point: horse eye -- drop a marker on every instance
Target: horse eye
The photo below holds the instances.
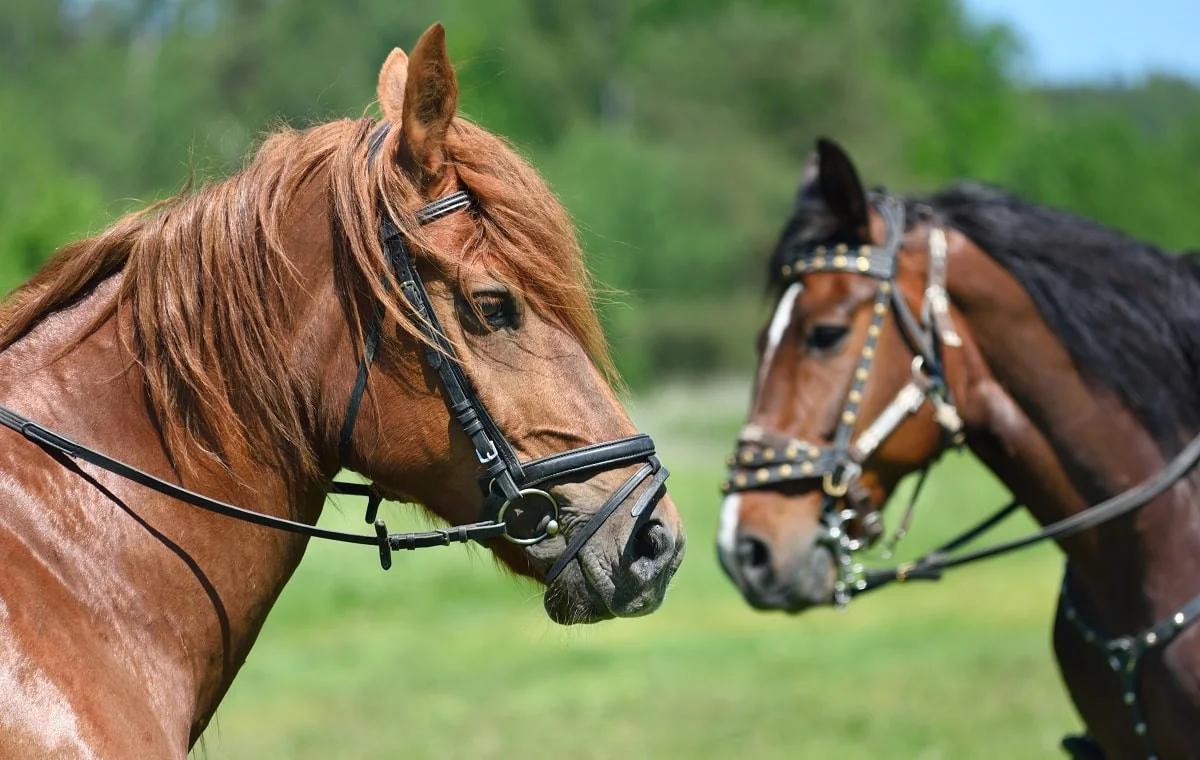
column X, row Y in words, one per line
column 826, row 337
column 497, row 309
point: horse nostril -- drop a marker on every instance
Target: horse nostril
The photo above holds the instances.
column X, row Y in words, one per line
column 753, row 553
column 651, row 541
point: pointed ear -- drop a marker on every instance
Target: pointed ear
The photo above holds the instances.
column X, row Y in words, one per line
column 390, row 90
column 809, row 188
column 841, row 188
column 430, row 102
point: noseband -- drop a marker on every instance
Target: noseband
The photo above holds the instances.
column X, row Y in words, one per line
column 767, row 458
column 508, row 485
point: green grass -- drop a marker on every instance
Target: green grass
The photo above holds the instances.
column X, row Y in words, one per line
column 448, row 657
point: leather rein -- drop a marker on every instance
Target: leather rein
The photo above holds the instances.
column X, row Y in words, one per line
column 508, row 485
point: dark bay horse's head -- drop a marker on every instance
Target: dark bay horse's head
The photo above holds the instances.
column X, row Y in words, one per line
column 831, row 359
column 508, row 285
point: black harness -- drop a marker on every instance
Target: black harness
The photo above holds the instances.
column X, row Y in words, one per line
column 508, row 485
column 767, row 458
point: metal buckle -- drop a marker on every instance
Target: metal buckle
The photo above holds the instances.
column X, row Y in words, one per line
column 837, row 489
column 488, row 457
column 551, row 528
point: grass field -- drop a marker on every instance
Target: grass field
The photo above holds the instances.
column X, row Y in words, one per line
column 448, row 657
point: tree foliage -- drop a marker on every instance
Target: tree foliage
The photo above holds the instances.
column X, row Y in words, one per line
column 674, row 130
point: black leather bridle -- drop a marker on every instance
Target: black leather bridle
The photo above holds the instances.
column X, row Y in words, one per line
column 508, row 485
column 767, row 458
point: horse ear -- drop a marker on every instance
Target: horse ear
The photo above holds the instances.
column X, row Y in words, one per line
column 390, row 90
column 809, row 187
column 430, row 102
column 841, row 188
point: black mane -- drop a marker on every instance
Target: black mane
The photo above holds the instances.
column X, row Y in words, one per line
column 1126, row 312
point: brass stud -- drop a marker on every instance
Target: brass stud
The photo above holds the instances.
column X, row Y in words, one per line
column 1178, row 619
column 1129, row 697
column 1140, row 729
column 725, row 487
column 880, row 309
column 786, row 470
column 806, row 468
column 801, row 266
column 792, row 452
column 747, row 457
column 1151, row 638
column 849, row 417
column 841, row 248
column 868, row 352
column 855, row 397
column 786, row 269
column 819, row 250
column 839, row 261
column 813, row 452
column 730, row 460
column 863, row 263
column 740, row 480
column 762, row 474
column 865, row 250
column 874, row 331
column 885, row 287
column 818, row 261
column 862, row 374
column 768, row 453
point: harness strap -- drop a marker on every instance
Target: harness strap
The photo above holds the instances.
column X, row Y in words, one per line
column 1124, row 653
column 588, row 458
column 619, row 496
column 932, row 565
column 935, row 313
column 55, row 443
column 907, row 402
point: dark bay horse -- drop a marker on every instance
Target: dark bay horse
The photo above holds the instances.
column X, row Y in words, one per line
column 1066, row 356
column 217, row 342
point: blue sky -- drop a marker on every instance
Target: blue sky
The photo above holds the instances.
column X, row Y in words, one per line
column 1101, row 40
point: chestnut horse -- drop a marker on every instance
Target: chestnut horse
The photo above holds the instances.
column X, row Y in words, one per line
column 216, row 342
column 1065, row 355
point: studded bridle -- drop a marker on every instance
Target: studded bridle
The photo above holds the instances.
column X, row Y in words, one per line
column 508, row 485
column 765, row 458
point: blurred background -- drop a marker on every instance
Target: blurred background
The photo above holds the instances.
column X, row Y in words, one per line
column 674, row 131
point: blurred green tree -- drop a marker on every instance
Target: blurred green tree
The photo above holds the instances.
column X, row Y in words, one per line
column 674, row 130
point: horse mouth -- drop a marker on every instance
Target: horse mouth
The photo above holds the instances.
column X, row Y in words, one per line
column 577, row 597
column 598, row 587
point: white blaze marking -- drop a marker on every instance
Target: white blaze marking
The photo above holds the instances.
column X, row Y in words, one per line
column 731, row 507
column 778, row 326
column 727, row 529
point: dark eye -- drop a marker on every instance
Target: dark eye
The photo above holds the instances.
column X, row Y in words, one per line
column 825, row 337
column 496, row 309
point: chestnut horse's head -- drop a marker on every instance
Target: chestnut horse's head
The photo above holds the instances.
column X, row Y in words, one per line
column 511, row 297
column 403, row 298
column 849, row 392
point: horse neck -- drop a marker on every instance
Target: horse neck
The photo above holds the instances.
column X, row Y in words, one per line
column 1061, row 444
column 210, row 580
